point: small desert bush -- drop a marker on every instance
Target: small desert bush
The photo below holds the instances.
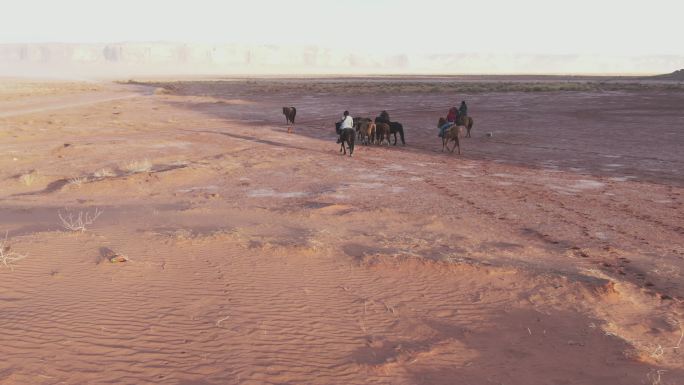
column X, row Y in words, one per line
column 78, row 181
column 29, row 178
column 137, row 166
column 78, row 221
column 103, row 173
column 7, row 256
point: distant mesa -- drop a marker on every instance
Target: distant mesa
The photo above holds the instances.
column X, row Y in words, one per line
column 677, row 75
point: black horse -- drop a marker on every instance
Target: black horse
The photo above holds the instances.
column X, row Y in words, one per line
column 290, row 113
column 395, row 127
column 347, row 135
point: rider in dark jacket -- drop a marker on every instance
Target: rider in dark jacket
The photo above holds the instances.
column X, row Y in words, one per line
column 463, row 110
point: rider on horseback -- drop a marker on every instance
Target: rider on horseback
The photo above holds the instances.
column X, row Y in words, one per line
column 452, row 117
column 462, row 110
column 347, row 123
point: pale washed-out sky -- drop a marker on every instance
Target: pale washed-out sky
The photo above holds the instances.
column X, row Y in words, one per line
column 609, row 27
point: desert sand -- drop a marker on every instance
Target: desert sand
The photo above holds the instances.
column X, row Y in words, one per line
column 550, row 252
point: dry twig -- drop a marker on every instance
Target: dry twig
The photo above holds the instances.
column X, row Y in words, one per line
column 78, row 222
column 7, row 256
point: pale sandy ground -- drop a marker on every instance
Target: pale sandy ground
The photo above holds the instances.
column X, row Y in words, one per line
column 550, row 253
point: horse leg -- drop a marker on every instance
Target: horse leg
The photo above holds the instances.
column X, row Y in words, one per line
column 395, row 138
column 401, row 133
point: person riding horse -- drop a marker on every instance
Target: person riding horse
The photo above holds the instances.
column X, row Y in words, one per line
column 462, row 111
column 452, row 118
column 455, row 116
column 347, row 122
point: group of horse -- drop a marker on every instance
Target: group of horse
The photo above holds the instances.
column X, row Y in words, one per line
column 368, row 131
column 380, row 130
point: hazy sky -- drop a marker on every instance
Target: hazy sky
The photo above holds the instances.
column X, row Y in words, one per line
column 611, row 27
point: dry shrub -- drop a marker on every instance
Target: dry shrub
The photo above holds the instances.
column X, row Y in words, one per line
column 78, row 222
column 103, row 173
column 29, row 178
column 78, row 181
column 8, row 257
column 137, row 166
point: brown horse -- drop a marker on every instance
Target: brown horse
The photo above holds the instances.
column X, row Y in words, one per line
column 466, row 122
column 382, row 133
column 347, row 136
column 366, row 131
column 290, row 113
column 453, row 133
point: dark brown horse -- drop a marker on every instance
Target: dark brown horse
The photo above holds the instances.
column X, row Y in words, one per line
column 382, row 133
column 290, row 113
column 395, row 127
column 347, row 135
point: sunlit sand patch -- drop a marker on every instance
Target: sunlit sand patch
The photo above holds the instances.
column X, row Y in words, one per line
column 198, row 188
column 601, row 235
column 587, row 184
column 397, row 189
column 578, row 186
column 613, row 165
column 394, row 167
column 467, row 175
column 369, row 176
column 171, row 145
column 366, row 185
column 267, row 192
column 624, row 178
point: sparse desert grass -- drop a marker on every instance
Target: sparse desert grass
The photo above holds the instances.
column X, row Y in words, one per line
column 136, row 166
column 103, row 173
column 29, row 178
column 8, row 257
column 78, row 181
column 78, row 222
column 220, row 88
column 17, row 89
